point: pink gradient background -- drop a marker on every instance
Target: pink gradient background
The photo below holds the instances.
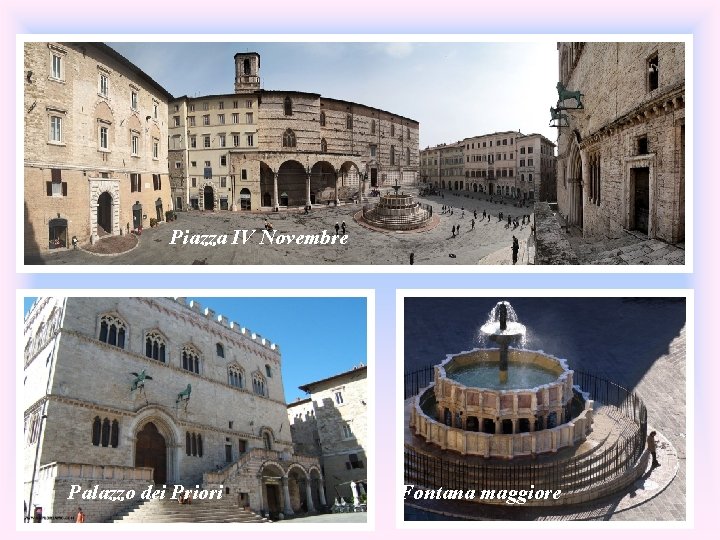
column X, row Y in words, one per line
column 699, row 18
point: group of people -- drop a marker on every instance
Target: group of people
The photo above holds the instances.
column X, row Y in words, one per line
column 338, row 227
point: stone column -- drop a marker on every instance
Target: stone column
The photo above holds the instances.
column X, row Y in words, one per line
column 275, row 191
column 308, row 495
column 336, row 190
column 321, row 492
column 307, row 190
column 288, row 511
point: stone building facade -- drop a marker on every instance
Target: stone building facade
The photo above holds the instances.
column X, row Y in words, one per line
column 621, row 158
column 95, row 139
column 211, row 411
column 506, row 164
column 284, row 148
column 332, row 425
column 443, row 163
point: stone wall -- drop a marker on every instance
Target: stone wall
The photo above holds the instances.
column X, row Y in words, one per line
column 551, row 243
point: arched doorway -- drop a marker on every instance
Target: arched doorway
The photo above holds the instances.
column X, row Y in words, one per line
column 104, row 214
column 291, row 182
column 151, row 451
column 322, row 181
column 208, row 198
column 245, row 199
column 272, row 475
column 267, row 199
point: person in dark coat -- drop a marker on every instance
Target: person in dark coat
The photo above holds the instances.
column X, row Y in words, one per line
column 515, row 249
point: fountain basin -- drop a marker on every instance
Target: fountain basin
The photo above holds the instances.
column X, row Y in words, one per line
column 470, row 409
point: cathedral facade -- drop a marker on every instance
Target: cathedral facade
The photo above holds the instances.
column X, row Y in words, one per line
column 258, row 148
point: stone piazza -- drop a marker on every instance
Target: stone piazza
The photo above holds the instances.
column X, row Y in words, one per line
column 114, row 164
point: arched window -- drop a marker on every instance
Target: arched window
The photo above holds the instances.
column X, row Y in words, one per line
column 268, row 370
column 323, row 146
column 372, row 126
column 246, row 66
column 193, row 441
column 407, row 156
column 114, row 434
column 188, row 449
column 105, row 432
column 392, row 130
column 199, row 445
column 322, row 118
column 288, row 106
column 349, row 121
column 259, row 384
column 267, row 440
column 155, row 346
column 220, row 350
column 190, row 359
column 96, row 431
column 236, row 377
column 289, row 140
column 112, row 331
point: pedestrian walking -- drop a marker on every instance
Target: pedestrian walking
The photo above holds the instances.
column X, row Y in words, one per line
column 412, row 258
column 475, row 214
column 80, row 517
column 651, row 444
column 458, row 229
column 337, row 229
column 509, row 220
column 343, row 227
column 515, row 249
column 453, row 231
column 472, row 224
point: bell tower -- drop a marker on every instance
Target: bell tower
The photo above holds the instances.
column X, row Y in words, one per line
column 247, row 72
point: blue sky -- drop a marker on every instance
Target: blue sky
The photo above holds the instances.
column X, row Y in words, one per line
column 318, row 337
column 455, row 90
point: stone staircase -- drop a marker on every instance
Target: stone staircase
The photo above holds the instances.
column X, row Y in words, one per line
column 199, row 511
column 628, row 249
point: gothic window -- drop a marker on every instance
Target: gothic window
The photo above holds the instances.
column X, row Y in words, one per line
column 236, row 376
column 220, row 350
column 288, row 106
column 392, row 130
column 96, row 431
column 190, row 359
column 372, row 126
column 268, row 370
column 105, row 436
column 322, row 118
column 267, row 440
column 289, row 140
column 259, row 385
column 155, row 346
column 112, row 331
column 349, row 121
column 114, row 434
column 354, row 462
column 323, row 146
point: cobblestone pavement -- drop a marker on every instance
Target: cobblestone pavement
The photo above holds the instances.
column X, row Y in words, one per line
column 364, row 246
column 638, row 343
